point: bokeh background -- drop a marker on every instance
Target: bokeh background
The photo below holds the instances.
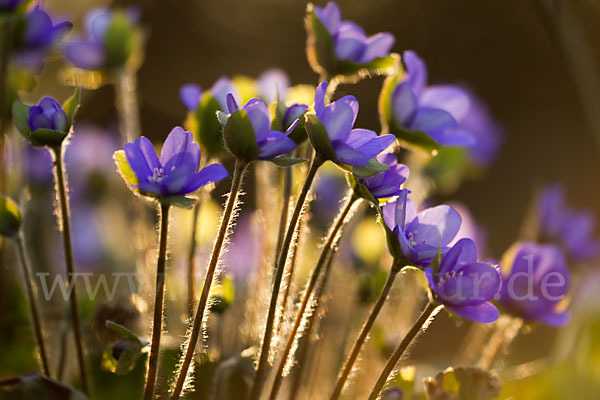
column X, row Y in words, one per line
column 535, row 63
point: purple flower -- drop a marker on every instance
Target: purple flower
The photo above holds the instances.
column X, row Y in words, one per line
column 292, row 113
column 420, row 234
column 37, row 37
column 273, row 83
column 342, row 143
column 535, row 280
column 190, row 95
column 434, row 110
column 350, row 41
column 101, row 48
column 488, row 136
column 221, row 88
column 464, row 285
column 387, row 183
column 268, row 143
column 9, row 5
column 48, row 114
column 573, row 229
column 176, row 172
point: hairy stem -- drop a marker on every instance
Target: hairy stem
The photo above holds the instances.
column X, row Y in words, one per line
column 68, row 249
column 191, row 261
column 332, row 238
column 208, row 280
column 421, row 324
column 260, row 375
column 127, row 104
column 32, row 298
column 364, row 332
column 159, row 297
column 506, row 330
column 305, row 345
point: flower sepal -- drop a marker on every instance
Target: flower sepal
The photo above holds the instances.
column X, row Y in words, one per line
column 121, row 358
column 239, row 137
column 286, row 161
column 186, row 202
column 206, row 128
column 361, row 190
column 10, row 217
column 372, row 168
column 319, row 138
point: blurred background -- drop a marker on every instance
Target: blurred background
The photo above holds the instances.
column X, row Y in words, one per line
column 536, row 64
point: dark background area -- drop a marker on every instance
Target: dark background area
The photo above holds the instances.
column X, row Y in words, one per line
column 514, row 60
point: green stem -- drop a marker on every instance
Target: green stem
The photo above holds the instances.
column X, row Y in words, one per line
column 68, row 249
column 421, row 324
column 31, row 297
column 285, row 206
column 364, row 332
column 260, row 375
column 332, row 238
column 210, row 273
column 159, row 297
column 127, row 104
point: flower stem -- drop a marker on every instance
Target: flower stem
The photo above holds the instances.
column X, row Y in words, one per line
column 330, row 242
column 305, row 345
column 421, row 324
column 31, row 297
column 210, row 273
column 159, row 297
column 260, row 375
column 364, row 332
column 127, row 104
column 285, row 206
column 506, row 330
column 68, row 249
column 191, row 261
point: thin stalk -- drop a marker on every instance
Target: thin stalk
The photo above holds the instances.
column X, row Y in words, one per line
column 32, row 298
column 62, row 358
column 260, row 375
column 208, row 279
column 159, row 298
column 127, row 104
column 305, row 345
column 506, row 331
column 421, row 324
column 5, row 47
column 364, row 332
column 332, row 238
column 285, row 206
column 68, row 249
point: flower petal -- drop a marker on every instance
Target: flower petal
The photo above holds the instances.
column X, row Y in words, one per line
column 376, row 145
column 463, row 252
column 208, row 174
column 404, row 104
column 416, row 69
column 320, row 99
column 259, row 116
column 137, row 160
column 190, row 94
column 337, row 120
column 378, row 45
column 431, row 120
column 330, row 16
column 86, row 55
column 448, row 98
column 483, row 313
column 435, row 224
column 275, row 145
column 348, row 155
column 178, row 150
column 149, row 152
column 555, row 319
column 471, row 284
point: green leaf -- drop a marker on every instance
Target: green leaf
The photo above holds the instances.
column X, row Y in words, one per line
column 35, row 386
column 178, row 201
column 124, row 168
column 71, row 105
column 239, row 137
column 10, row 217
column 286, row 162
column 372, row 168
column 20, row 114
column 318, row 137
column 48, row 137
column 463, row 384
column 361, row 190
column 319, row 44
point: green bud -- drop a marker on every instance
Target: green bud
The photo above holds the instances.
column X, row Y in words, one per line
column 205, row 125
column 317, row 134
column 239, row 137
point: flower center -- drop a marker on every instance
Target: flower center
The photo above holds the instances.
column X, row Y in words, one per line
column 157, row 175
column 448, row 276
